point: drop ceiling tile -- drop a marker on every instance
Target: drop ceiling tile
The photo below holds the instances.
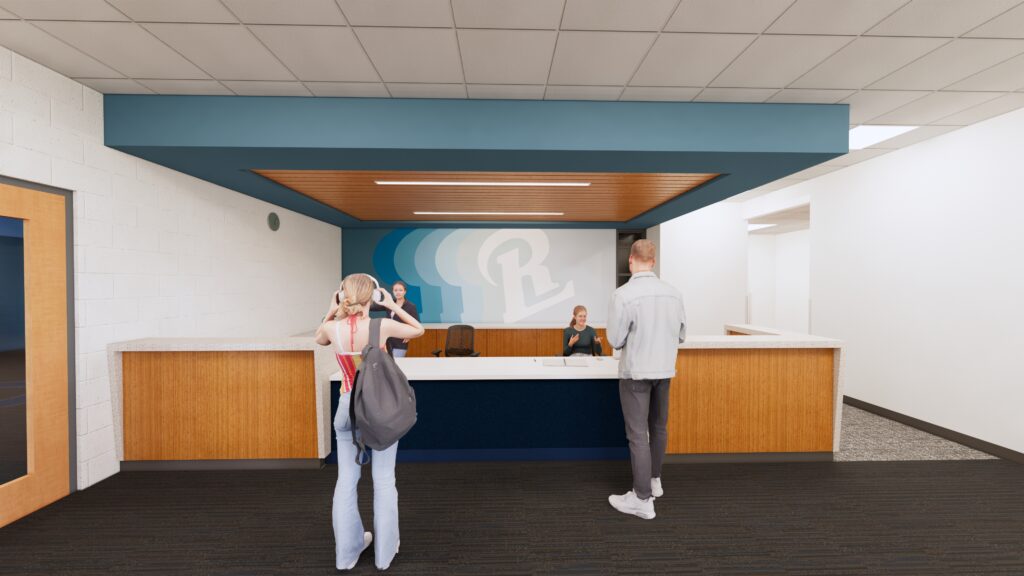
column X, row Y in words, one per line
column 725, row 15
column 211, row 11
column 866, row 60
column 582, row 93
column 348, row 89
column 505, row 91
column 984, row 111
column 868, row 104
column 950, row 63
column 659, row 93
column 225, row 51
column 1007, row 25
column 857, row 156
column 192, row 87
column 413, row 54
column 623, row 15
column 427, row 90
column 506, row 56
column 412, row 13
column 940, row 17
column 933, row 107
column 37, row 45
column 318, row 53
column 90, row 10
column 519, row 14
column 127, row 48
column 840, row 17
column 5, row 15
column 776, row 61
column 735, row 94
column 1003, row 77
column 318, row 12
column 266, row 88
column 114, row 85
column 689, row 59
column 919, row 134
column 798, row 96
column 598, row 58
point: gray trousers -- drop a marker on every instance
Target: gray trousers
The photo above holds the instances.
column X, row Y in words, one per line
column 645, row 410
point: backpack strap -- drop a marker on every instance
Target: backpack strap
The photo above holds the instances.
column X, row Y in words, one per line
column 374, row 334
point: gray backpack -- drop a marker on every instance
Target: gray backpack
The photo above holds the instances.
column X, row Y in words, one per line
column 383, row 405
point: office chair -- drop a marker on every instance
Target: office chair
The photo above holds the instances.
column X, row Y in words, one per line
column 458, row 341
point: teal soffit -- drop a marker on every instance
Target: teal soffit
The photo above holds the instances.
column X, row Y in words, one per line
column 222, row 138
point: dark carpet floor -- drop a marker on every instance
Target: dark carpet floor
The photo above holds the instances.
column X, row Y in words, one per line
column 921, row 518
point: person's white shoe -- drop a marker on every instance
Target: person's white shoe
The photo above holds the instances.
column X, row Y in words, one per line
column 367, row 540
column 656, row 489
column 628, row 503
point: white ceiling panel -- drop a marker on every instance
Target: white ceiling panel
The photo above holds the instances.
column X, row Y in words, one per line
column 127, row 48
column 211, row 11
column 725, row 15
column 318, row 53
column 37, row 45
column 226, row 51
column 427, row 90
column 203, row 87
column 413, row 54
column 582, row 93
column 318, row 12
column 519, row 14
column 266, row 88
column 5, row 15
column 868, row 104
column 506, row 56
column 798, row 96
column 1010, row 24
column 841, row 17
column 1006, row 76
column 933, row 107
column 413, row 13
column 984, row 111
column 624, row 15
column 348, row 89
column 598, row 58
column 689, row 59
column 950, row 63
column 114, row 85
column 505, row 91
column 940, row 17
column 93, row 10
column 659, row 93
column 865, row 60
column 856, row 156
column 776, row 61
column 916, row 135
column 735, row 94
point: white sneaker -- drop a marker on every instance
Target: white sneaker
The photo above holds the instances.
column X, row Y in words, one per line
column 656, row 489
column 628, row 503
column 367, row 540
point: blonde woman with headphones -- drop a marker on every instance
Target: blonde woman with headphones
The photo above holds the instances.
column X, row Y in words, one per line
column 346, row 328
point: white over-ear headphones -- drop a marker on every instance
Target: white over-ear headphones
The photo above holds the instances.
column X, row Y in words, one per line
column 378, row 294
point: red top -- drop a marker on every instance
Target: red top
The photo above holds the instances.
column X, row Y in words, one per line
column 349, row 362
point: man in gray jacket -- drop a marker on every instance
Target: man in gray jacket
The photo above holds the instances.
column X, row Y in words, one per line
column 646, row 320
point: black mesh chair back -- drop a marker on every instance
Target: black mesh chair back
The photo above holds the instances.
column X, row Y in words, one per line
column 458, row 341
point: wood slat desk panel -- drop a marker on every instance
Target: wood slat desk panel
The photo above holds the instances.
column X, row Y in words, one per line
column 752, row 400
column 219, row 405
column 504, row 342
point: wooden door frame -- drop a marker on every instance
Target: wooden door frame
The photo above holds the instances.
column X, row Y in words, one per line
column 70, row 306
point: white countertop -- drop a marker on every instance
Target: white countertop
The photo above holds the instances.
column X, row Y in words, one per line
column 504, row 368
column 214, row 344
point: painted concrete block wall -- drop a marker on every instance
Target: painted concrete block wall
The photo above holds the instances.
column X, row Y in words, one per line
column 157, row 253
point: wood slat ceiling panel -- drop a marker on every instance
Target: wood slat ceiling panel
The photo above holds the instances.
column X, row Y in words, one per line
column 611, row 197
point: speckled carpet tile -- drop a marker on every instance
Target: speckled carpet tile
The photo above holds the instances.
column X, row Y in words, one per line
column 869, row 437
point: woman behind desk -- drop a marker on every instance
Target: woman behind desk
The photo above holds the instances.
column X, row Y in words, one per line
column 579, row 339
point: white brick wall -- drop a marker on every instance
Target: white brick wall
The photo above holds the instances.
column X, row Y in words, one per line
column 157, row 252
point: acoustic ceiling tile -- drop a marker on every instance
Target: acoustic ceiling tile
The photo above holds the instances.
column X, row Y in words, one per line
column 689, row 59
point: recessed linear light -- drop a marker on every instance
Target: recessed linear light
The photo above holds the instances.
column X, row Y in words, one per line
column 467, row 183
column 752, row 227
column 864, row 136
column 490, row 213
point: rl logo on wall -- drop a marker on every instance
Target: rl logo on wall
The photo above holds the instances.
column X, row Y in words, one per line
column 500, row 276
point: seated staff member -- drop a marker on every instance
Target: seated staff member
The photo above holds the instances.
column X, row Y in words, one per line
column 399, row 347
column 579, row 339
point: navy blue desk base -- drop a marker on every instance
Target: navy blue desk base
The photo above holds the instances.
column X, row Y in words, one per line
column 467, row 420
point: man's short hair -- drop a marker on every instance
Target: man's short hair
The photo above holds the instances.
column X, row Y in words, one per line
column 643, row 250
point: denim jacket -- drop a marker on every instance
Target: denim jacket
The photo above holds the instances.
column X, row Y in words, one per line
column 647, row 321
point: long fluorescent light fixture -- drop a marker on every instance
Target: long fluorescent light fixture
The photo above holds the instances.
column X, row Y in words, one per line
column 489, row 213
column 467, row 183
column 864, row 136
